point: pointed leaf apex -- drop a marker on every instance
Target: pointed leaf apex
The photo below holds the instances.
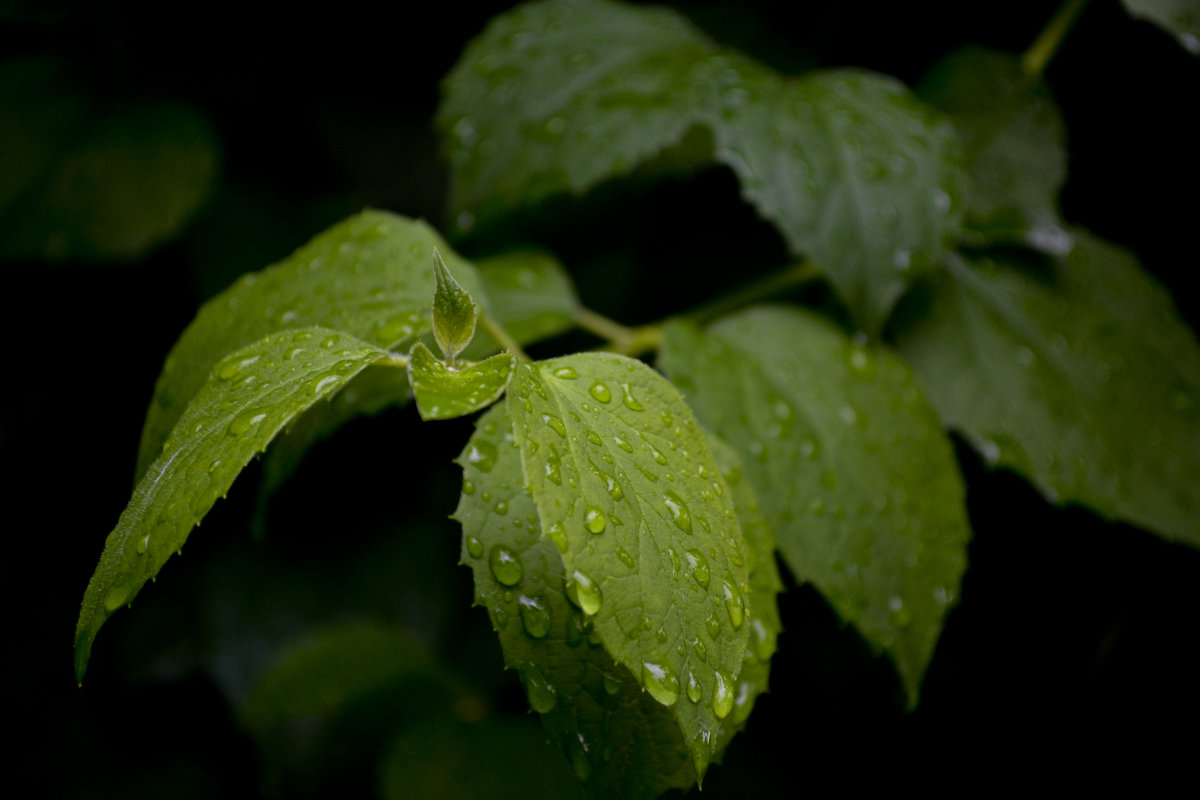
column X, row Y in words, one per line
column 454, row 312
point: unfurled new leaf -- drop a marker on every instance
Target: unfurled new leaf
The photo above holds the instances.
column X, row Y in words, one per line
column 1076, row 373
column 444, row 392
column 248, row 397
column 616, row 736
column 454, row 312
column 854, row 172
column 1015, row 143
column 367, row 276
column 653, row 554
column 853, row 471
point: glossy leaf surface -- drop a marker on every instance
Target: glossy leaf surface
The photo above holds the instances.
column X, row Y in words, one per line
column 370, row 276
column 617, row 738
column 652, row 549
column 853, row 471
column 1078, row 374
column 247, row 399
column 556, row 97
column 445, row 393
column 1015, row 143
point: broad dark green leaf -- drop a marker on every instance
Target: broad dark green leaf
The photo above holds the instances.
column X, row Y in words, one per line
column 75, row 184
column 618, row 739
column 853, row 471
column 557, row 97
column 1015, row 144
column 330, row 670
column 496, row 758
column 445, row 393
column 370, row 276
column 1181, row 18
column 1078, row 375
column 246, row 400
column 454, row 312
column 651, row 546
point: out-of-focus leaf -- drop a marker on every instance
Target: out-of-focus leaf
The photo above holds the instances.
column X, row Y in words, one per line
column 853, row 471
column 1015, row 143
column 1079, row 375
column 1180, row 18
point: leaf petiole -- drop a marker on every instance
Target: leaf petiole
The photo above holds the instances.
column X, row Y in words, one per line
column 503, row 337
column 1037, row 57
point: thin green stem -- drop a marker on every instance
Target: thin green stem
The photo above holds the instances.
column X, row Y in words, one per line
column 601, row 325
column 392, row 360
column 502, row 336
column 1037, row 57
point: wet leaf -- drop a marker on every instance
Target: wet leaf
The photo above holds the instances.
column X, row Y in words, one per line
column 1078, row 374
column 454, row 312
column 444, row 393
column 1180, row 18
column 853, row 471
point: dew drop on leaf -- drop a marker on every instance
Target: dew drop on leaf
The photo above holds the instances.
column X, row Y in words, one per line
column 506, row 565
column 542, row 696
column 534, row 616
column 586, row 593
column 722, row 700
column 600, row 391
column 661, row 682
column 474, row 546
column 630, row 401
column 594, row 520
column 680, row 514
column 693, row 688
column 699, row 567
column 734, row 604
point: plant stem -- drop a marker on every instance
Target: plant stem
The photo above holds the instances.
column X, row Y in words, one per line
column 502, row 336
column 1035, row 59
column 601, row 325
column 392, row 360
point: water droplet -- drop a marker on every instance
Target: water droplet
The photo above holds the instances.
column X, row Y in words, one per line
column 557, row 534
column 722, row 701
column 506, row 565
column 542, row 696
column 579, row 759
column 534, row 616
column 625, row 557
column 762, row 639
column 246, row 420
column 661, row 682
column 630, row 401
column 623, row 444
column 734, row 604
column 468, row 487
column 611, row 685
column 482, row 455
column 699, row 567
column 594, row 519
column 599, row 391
column 555, row 424
column 680, row 514
column 553, row 469
column 118, row 596
column 585, row 593
column 330, row 341
column 143, row 544
column 693, row 688
column 474, row 547
column 901, row 616
column 231, row 367
column 566, row 373
column 714, row 625
column 861, row 360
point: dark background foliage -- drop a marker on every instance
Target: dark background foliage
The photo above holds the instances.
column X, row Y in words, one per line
column 1070, row 629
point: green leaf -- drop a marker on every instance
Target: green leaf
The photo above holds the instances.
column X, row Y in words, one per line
column 246, row 400
column 1181, row 18
column 529, row 294
column 1077, row 374
column 654, row 556
column 329, row 670
column 443, row 392
column 367, row 276
column 98, row 187
column 557, row 97
column 765, row 584
column 498, row 758
column 1015, row 143
column 853, row 471
column 454, row 312
column 616, row 736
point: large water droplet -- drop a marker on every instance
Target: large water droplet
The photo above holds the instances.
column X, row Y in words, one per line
column 506, row 565
column 625, row 557
column 594, row 519
column 468, row 487
column 585, row 593
column 599, row 391
column 661, row 682
column 566, row 373
column 474, row 546
column 631, row 402
column 734, row 604
column 557, row 534
column 542, row 696
column 482, row 455
column 722, row 701
column 535, row 616
column 680, row 514
column 555, row 424
column 699, row 567
column 231, row 367
column 246, row 420
column 624, row 444
column 553, row 469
